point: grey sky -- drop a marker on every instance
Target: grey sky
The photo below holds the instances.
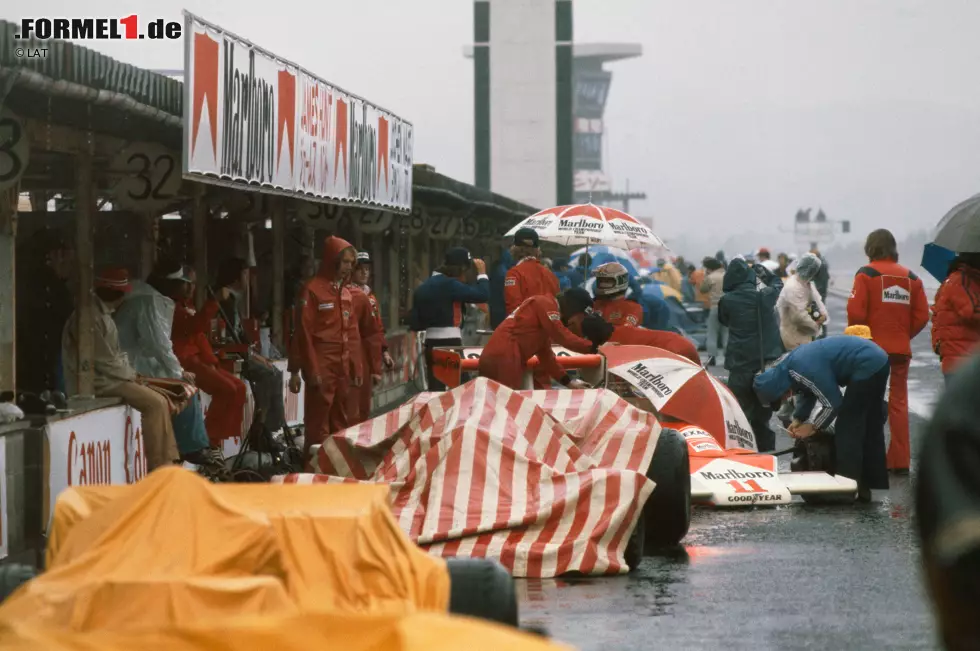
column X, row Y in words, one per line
column 739, row 112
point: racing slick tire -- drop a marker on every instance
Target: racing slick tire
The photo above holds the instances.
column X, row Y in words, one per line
column 667, row 514
column 482, row 588
column 12, row 576
column 636, row 545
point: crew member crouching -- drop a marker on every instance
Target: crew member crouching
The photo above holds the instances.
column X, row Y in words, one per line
column 816, row 371
column 533, row 328
column 437, row 304
column 612, row 281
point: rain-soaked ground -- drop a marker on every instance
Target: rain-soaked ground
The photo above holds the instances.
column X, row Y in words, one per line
column 793, row 577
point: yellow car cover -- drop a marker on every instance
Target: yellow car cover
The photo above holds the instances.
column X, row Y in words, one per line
column 175, row 550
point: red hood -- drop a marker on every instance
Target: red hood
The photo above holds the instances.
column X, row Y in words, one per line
column 332, row 248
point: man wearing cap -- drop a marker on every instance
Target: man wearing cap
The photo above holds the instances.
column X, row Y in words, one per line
column 533, row 328
column 528, row 277
column 437, row 304
column 815, row 372
column 114, row 376
column 374, row 347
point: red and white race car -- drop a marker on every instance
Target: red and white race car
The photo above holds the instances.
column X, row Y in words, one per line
column 727, row 470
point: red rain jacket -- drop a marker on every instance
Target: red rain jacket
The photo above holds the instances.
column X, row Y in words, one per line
column 619, row 311
column 669, row 341
column 889, row 299
column 190, row 332
column 525, row 279
column 956, row 317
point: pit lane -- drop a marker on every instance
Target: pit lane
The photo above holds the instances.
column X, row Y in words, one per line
column 793, row 577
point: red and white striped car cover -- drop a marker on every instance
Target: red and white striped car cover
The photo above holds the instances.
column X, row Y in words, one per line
column 546, row 482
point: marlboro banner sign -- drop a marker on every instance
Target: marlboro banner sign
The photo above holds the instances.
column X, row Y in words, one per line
column 254, row 120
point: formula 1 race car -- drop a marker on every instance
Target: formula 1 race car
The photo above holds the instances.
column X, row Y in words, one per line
column 727, row 470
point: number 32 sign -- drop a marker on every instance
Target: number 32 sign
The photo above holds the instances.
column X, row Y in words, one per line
column 149, row 177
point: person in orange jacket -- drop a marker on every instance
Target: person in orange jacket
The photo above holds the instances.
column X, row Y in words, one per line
column 611, row 283
column 324, row 348
column 528, row 277
column 956, row 313
column 374, row 348
column 890, row 299
column 537, row 324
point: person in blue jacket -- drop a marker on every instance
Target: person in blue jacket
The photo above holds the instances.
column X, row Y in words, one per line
column 816, row 371
column 563, row 272
column 656, row 312
column 437, row 304
column 498, row 308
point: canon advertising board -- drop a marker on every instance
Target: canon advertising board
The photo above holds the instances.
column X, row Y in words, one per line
column 255, row 120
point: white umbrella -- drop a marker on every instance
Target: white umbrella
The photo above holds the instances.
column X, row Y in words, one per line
column 588, row 224
column 959, row 230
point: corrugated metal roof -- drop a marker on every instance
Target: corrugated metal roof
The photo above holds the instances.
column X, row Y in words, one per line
column 80, row 65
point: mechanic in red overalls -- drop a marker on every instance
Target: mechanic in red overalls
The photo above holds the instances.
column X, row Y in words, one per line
column 532, row 329
column 322, row 347
column 889, row 299
column 192, row 347
column 374, row 349
column 611, row 283
column 527, row 278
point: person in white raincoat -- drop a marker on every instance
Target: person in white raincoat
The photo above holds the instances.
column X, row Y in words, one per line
column 797, row 303
column 144, row 321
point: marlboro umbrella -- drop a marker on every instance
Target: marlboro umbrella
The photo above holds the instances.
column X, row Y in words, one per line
column 588, row 224
column 679, row 388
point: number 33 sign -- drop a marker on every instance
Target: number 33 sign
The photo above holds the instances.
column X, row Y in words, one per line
column 149, row 177
column 14, row 149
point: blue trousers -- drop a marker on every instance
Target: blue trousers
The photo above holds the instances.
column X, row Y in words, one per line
column 189, row 427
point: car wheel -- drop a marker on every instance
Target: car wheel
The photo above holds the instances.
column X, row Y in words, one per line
column 482, row 588
column 667, row 513
column 12, row 576
column 636, row 544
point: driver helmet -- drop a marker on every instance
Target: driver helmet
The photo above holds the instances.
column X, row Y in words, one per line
column 611, row 279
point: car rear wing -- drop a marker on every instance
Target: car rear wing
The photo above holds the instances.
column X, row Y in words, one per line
column 450, row 363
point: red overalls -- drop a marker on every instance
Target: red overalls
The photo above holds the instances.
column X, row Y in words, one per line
column 525, row 279
column 669, row 341
column 619, row 311
column 890, row 300
column 193, row 349
column 367, row 348
column 528, row 331
column 323, row 346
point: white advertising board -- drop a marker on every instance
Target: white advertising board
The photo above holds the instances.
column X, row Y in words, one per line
column 255, row 120
column 104, row 446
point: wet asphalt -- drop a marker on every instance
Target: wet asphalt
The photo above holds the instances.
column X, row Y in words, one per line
column 791, row 577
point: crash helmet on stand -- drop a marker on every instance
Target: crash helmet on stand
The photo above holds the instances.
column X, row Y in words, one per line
column 611, row 279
